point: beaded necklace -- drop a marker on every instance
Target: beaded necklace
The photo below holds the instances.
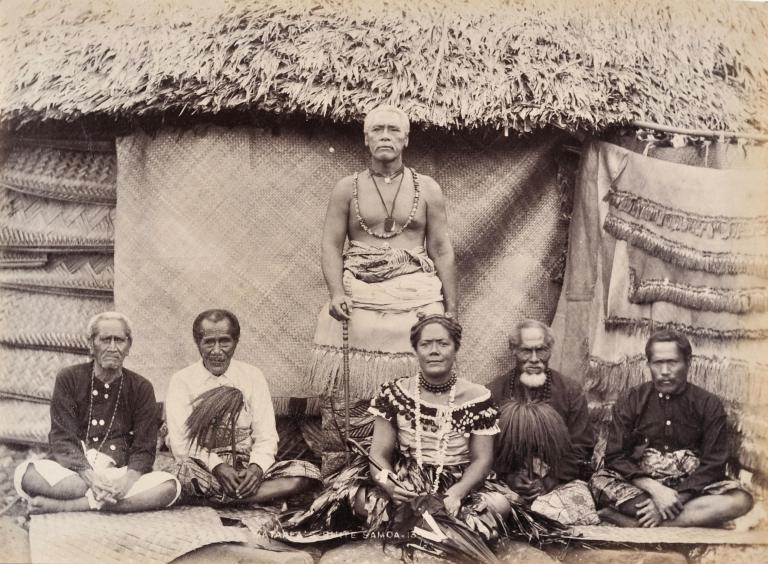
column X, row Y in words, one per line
column 443, row 419
column 437, row 388
column 90, row 410
column 395, row 231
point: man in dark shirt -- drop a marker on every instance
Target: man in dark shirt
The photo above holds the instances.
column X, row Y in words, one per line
column 554, row 488
column 667, row 449
column 104, row 422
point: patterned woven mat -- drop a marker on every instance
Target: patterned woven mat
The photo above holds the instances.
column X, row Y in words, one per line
column 82, row 275
column 24, row 312
column 233, row 218
column 669, row 535
column 74, row 343
column 52, row 216
column 22, row 259
column 24, row 421
column 84, row 176
column 28, row 373
column 148, row 537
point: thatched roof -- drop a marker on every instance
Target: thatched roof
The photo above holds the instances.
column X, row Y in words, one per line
column 518, row 65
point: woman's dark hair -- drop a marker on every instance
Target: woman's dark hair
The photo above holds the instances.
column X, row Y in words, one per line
column 451, row 325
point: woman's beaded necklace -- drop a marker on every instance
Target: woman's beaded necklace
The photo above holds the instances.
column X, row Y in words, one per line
column 396, row 230
column 437, row 388
column 443, row 418
column 90, row 411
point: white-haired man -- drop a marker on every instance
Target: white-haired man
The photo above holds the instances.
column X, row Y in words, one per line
column 399, row 260
column 104, row 421
column 553, row 408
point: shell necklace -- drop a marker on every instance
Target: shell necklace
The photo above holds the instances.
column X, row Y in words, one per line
column 90, row 411
column 391, row 229
column 443, row 419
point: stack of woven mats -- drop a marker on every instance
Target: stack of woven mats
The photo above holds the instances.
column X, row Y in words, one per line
column 57, row 206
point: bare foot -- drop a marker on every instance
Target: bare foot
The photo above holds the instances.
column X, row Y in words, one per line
column 41, row 504
column 608, row 515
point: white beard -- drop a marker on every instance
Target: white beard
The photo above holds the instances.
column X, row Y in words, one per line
column 533, row 380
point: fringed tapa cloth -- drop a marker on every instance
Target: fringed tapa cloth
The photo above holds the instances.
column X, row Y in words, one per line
column 610, row 489
column 333, row 508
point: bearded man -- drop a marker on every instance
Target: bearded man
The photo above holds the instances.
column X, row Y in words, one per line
column 545, row 447
column 398, row 261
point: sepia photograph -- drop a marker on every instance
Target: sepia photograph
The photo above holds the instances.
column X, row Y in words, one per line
column 329, row 281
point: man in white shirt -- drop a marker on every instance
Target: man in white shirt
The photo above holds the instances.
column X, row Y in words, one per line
column 205, row 403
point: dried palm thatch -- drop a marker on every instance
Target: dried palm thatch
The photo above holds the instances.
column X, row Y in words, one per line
column 488, row 63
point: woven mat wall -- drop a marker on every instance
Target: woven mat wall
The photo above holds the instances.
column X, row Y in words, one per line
column 653, row 244
column 56, row 211
column 233, row 217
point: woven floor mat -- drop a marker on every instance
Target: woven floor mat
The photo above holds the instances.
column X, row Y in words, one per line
column 669, row 535
column 147, row 537
column 258, row 520
column 31, row 373
column 24, row 421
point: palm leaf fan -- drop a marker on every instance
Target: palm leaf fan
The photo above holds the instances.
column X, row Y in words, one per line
column 531, row 430
column 215, row 411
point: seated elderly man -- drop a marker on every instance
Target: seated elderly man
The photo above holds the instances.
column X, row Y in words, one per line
column 546, row 438
column 667, row 449
column 221, row 425
column 104, row 422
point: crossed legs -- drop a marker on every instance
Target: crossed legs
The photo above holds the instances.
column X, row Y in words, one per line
column 703, row 511
column 69, row 494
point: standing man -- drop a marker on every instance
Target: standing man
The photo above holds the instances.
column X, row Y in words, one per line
column 218, row 405
column 535, row 397
column 667, row 449
column 104, row 422
column 399, row 260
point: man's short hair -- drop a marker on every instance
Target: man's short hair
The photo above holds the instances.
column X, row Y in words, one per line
column 405, row 122
column 515, row 338
column 215, row 315
column 670, row 336
column 93, row 323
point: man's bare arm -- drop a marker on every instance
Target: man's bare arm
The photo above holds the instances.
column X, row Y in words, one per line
column 439, row 246
column 334, row 235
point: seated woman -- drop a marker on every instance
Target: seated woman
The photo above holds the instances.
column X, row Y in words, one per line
column 433, row 433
